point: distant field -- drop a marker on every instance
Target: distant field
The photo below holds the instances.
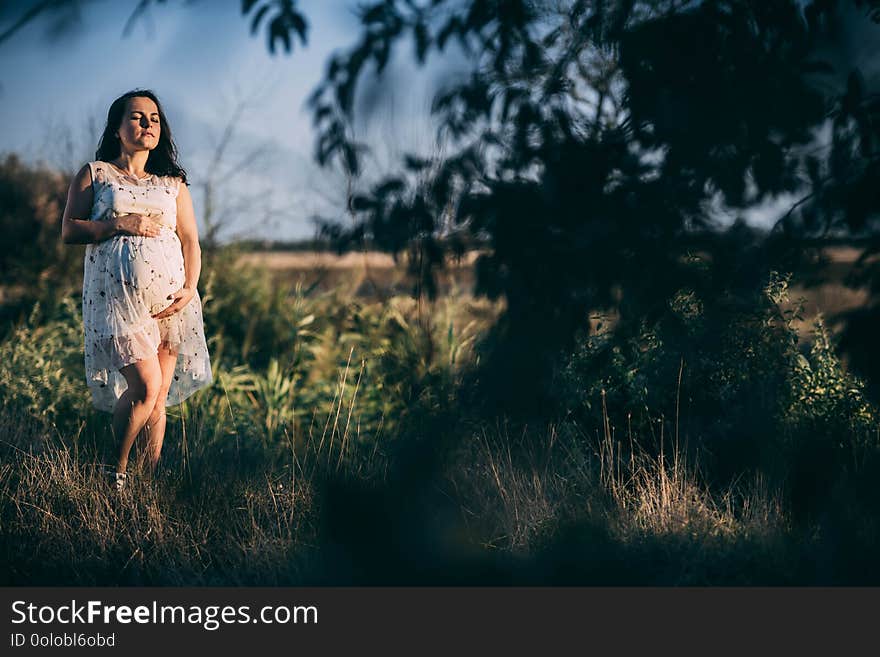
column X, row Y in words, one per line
column 826, row 293
column 366, row 274
column 314, row 259
column 371, row 273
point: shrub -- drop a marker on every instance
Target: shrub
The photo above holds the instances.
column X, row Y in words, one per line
column 34, row 263
column 42, row 369
column 725, row 373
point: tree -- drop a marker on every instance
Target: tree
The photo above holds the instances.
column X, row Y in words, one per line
column 586, row 148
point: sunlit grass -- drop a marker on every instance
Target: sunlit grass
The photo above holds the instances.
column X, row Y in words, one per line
column 320, row 386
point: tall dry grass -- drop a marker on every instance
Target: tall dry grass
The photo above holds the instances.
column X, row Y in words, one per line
column 582, row 506
column 209, row 519
column 206, row 518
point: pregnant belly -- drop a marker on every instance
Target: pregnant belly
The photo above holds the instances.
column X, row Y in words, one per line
column 150, row 268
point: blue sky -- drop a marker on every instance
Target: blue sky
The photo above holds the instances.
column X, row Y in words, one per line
column 200, row 58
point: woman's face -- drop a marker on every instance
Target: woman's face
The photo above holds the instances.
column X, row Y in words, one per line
column 139, row 129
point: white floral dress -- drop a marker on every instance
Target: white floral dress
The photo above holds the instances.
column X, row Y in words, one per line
column 126, row 280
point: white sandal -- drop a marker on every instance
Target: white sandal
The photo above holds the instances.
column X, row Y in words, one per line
column 117, row 479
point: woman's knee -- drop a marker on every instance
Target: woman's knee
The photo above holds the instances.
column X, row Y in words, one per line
column 144, row 382
column 161, row 398
column 148, row 392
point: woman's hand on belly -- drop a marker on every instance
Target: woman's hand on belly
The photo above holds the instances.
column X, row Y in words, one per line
column 137, row 224
column 179, row 299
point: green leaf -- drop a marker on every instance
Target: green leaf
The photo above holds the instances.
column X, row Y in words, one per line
column 258, row 17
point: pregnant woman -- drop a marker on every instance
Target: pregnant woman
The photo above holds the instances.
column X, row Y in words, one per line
column 145, row 345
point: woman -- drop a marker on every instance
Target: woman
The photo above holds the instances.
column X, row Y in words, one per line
column 145, row 345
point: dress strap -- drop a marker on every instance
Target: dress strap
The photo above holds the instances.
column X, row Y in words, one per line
column 98, row 170
column 171, row 184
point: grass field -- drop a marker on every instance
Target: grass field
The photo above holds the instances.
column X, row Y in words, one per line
column 333, row 449
column 370, row 274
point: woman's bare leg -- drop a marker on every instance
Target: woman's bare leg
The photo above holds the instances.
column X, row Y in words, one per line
column 133, row 408
column 153, row 433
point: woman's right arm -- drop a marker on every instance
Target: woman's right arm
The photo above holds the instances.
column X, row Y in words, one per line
column 84, row 231
column 75, row 229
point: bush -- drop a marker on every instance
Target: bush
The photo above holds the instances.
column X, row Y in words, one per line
column 726, row 375
column 33, row 259
column 825, row 399
column 42, row 369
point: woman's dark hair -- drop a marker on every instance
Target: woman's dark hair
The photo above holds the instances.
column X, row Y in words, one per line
column 162, row 160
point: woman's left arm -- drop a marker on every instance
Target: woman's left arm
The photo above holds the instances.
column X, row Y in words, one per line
column 189, row 238
column 188, row 234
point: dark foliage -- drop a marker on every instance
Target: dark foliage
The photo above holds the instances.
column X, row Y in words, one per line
column 32, row 255
column 588, row 149
column 286, row 23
